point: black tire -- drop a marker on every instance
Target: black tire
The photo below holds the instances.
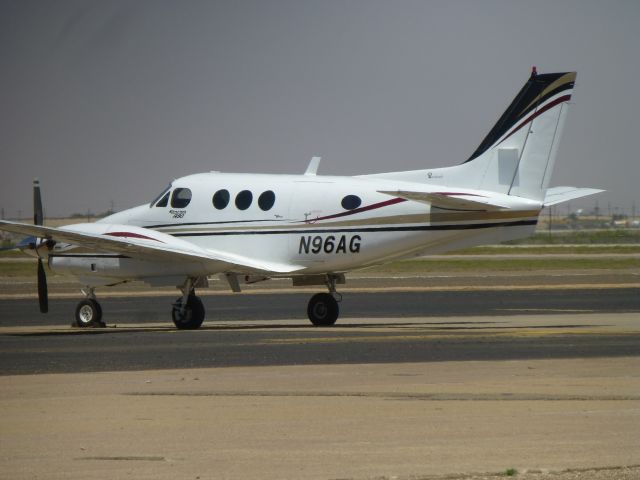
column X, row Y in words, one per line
column 323, row 310
column 88, row 314
column 191, row 317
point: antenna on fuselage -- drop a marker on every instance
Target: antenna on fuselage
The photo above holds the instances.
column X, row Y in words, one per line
column 312, row 168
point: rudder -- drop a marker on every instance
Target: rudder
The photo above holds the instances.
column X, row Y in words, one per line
column 517, row 155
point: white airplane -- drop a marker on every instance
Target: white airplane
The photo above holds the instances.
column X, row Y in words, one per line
column 313, row 228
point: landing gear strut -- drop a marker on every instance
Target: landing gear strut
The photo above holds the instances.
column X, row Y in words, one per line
column 323, row 309
column 188, row 310
column 88, row 311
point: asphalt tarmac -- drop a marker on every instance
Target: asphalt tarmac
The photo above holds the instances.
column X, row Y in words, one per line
column 141, row 308
column 436, row 384
column 270, row 330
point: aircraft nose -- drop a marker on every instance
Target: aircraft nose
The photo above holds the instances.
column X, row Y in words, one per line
column 26, row 245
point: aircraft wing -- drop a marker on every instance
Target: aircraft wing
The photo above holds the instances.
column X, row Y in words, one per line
column 450, row 200
column 557, row 195
column 144, row 244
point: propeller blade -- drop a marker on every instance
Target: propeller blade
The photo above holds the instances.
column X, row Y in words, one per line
column 43, row 295
column 38, row 217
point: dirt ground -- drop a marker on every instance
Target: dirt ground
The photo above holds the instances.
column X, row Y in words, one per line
column 560, row 419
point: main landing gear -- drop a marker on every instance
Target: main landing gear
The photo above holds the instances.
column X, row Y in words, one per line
column 323, row 309
column 188, row 310
column 88, row 311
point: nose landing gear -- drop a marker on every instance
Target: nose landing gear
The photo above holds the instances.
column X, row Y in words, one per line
column 88, row 311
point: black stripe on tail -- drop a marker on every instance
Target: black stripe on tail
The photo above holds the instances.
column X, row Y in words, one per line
column 537, row 89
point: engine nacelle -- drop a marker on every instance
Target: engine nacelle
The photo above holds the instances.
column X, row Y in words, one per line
column 105, row 269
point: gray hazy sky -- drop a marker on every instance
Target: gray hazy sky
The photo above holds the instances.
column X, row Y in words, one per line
column 110, row 100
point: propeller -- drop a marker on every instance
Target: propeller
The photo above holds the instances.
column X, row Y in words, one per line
column 38, row 219
column 43, row 293
column 33, row 243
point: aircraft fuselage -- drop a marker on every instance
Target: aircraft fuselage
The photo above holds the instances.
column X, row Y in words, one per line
column 324, row 223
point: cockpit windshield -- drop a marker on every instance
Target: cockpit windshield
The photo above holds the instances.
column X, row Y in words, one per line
column 160, row 198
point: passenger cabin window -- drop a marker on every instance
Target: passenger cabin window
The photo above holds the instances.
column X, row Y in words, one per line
column 351, row 202
column 180, row 198
column 266, row 200
column 244, row 199
column 221, row 199
column 163, row 201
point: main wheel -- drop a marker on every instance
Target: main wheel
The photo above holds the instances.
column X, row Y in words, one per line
column 191, row 317
column 89, row 314
column 323, row 310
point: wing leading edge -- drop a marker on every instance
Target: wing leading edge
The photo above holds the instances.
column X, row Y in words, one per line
column 144, row 244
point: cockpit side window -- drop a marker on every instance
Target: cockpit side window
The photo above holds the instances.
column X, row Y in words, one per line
column 163, row 201
column 180, row 197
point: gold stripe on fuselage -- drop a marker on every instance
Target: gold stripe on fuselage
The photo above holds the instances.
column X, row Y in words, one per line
column 432, row 219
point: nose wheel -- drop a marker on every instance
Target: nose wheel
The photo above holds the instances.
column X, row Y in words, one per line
column 88, row 312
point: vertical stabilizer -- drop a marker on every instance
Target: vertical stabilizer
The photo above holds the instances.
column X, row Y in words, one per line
column 518, row 154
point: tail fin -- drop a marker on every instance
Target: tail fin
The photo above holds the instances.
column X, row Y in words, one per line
column 518, row 154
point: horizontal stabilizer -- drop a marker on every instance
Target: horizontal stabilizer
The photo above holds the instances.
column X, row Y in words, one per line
column 450, row 200
column 557, row 195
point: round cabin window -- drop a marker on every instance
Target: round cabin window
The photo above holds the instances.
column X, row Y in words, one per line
column 244, row 199
column 221, row 199
column 266, row 200
column 351, row 202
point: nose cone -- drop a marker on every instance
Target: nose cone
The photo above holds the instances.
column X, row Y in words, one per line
column 28, row 246
column 27, row 242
